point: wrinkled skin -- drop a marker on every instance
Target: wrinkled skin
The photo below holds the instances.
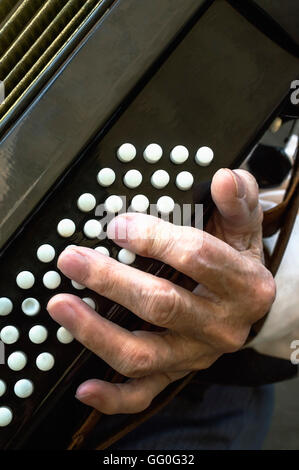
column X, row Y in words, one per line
column 234, row 291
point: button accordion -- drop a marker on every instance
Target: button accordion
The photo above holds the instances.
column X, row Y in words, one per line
column 122, row 104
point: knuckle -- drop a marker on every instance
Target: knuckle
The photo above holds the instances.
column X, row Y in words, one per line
column 226, row 339
column 233, row 341
column 163, row 304
column 87, row 335
column 197, row 247
column 204, row 362
column 146, row 245
column 138, row 363
column 142, row 403
column 265, row 293
column 155, row 243
column 108, row 282
column 268, row 290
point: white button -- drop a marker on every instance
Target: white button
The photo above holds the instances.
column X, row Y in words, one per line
column 140, row 203
column 204, row 156
column 38, row 334
column 45, row 253
column 45, row 361
column 184, row 180
column 126, row 256
column 9, row 334
column 86, row 202
column 92, row 228
column 106, row 177
column 5, row 416
column 153, row 153
column 25, row 280
column 126, row 153
column 89, row 302
column 30, row 307
column 66, row 228
column 160, row 179
column 64, row 336
column 133, row 179
column 103, row 250
column 6, row 306
column 17, row 361
column 113, row 204
column 23, row 388
column 78, row 286
column 2, row 388
column 165, row 205
column 179, row 154
column 52, row 280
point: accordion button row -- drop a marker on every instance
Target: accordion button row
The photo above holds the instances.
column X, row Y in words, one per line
column 17, row 360
column 154, row 152
column 39, row 333
column 133, row 179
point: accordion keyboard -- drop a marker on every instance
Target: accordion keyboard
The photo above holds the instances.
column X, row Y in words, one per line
column 128, row 176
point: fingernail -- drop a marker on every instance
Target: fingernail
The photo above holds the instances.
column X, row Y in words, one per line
column 82, row 392
column 240, row 186
column 73, row 265
column 117, row 229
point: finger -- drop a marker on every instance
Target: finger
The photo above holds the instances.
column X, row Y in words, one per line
column 235, row 194
column 153, row 299
column 133, row 396
column 190, row 251
column 131, row 354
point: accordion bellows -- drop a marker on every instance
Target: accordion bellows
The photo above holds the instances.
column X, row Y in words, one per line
column 32, row 34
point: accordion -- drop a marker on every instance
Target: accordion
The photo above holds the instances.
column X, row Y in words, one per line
column 120, row 103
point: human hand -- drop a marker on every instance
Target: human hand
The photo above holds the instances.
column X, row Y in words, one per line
column 234, row 291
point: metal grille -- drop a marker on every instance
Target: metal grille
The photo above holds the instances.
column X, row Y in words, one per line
column 32, row 32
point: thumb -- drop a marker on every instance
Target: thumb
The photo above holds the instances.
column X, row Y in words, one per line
column 239, row 217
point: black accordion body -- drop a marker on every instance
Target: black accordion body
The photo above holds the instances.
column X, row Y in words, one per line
column 124, row 103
